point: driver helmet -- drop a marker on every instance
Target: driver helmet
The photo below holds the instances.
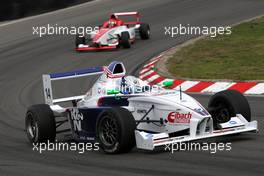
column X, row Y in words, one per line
column 112, row 21
column 113, row 16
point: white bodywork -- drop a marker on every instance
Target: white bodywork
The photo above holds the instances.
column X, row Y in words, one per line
column 175, row 110
column 110, row 37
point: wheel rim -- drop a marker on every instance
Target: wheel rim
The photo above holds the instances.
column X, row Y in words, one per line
column 108, row 131
column 223, row 114
column 32, row 126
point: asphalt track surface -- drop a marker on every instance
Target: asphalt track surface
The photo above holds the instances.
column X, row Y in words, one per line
column 24, row 58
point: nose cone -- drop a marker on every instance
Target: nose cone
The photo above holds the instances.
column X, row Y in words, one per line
column 185, row 101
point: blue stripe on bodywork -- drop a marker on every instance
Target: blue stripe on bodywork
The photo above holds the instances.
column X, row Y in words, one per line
column 88, row 124
column 77, row 72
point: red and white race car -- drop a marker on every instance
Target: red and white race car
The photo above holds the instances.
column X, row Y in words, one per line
column 114, row 33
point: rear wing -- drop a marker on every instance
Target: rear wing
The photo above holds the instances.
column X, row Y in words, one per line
column 135, row 14
column 49, row 78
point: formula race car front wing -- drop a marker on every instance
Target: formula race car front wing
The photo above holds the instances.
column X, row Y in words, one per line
column 198, row 130
column 90, row 48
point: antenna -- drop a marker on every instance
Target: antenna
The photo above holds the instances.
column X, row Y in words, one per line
column 180, row 93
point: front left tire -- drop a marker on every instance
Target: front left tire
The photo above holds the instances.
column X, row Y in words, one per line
column 115, row 130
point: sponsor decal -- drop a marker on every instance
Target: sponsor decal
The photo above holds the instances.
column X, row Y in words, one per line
column 232, row 122
column 142, row 111
column 201, row 111
column 149, row 136
column 77, row 118
column 177, row 117
column 99, row 90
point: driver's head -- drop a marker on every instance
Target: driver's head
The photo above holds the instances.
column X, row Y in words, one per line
column 112, row 21
column 113, row 17
column 112, row 24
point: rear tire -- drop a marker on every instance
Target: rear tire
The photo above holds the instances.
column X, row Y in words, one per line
column 79, row 40
column 115, row 130
column 144, row 31
column 226, row 104
column 40, row 124
column 124, row 40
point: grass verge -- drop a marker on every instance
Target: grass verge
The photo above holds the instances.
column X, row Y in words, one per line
column 239, row 56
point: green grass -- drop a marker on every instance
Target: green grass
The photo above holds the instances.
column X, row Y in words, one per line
column 239, row 56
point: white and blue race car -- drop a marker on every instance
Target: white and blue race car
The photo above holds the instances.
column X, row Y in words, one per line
column 121, row 112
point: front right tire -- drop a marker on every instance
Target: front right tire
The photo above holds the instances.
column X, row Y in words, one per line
column 226, row 104
column 79, row 40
